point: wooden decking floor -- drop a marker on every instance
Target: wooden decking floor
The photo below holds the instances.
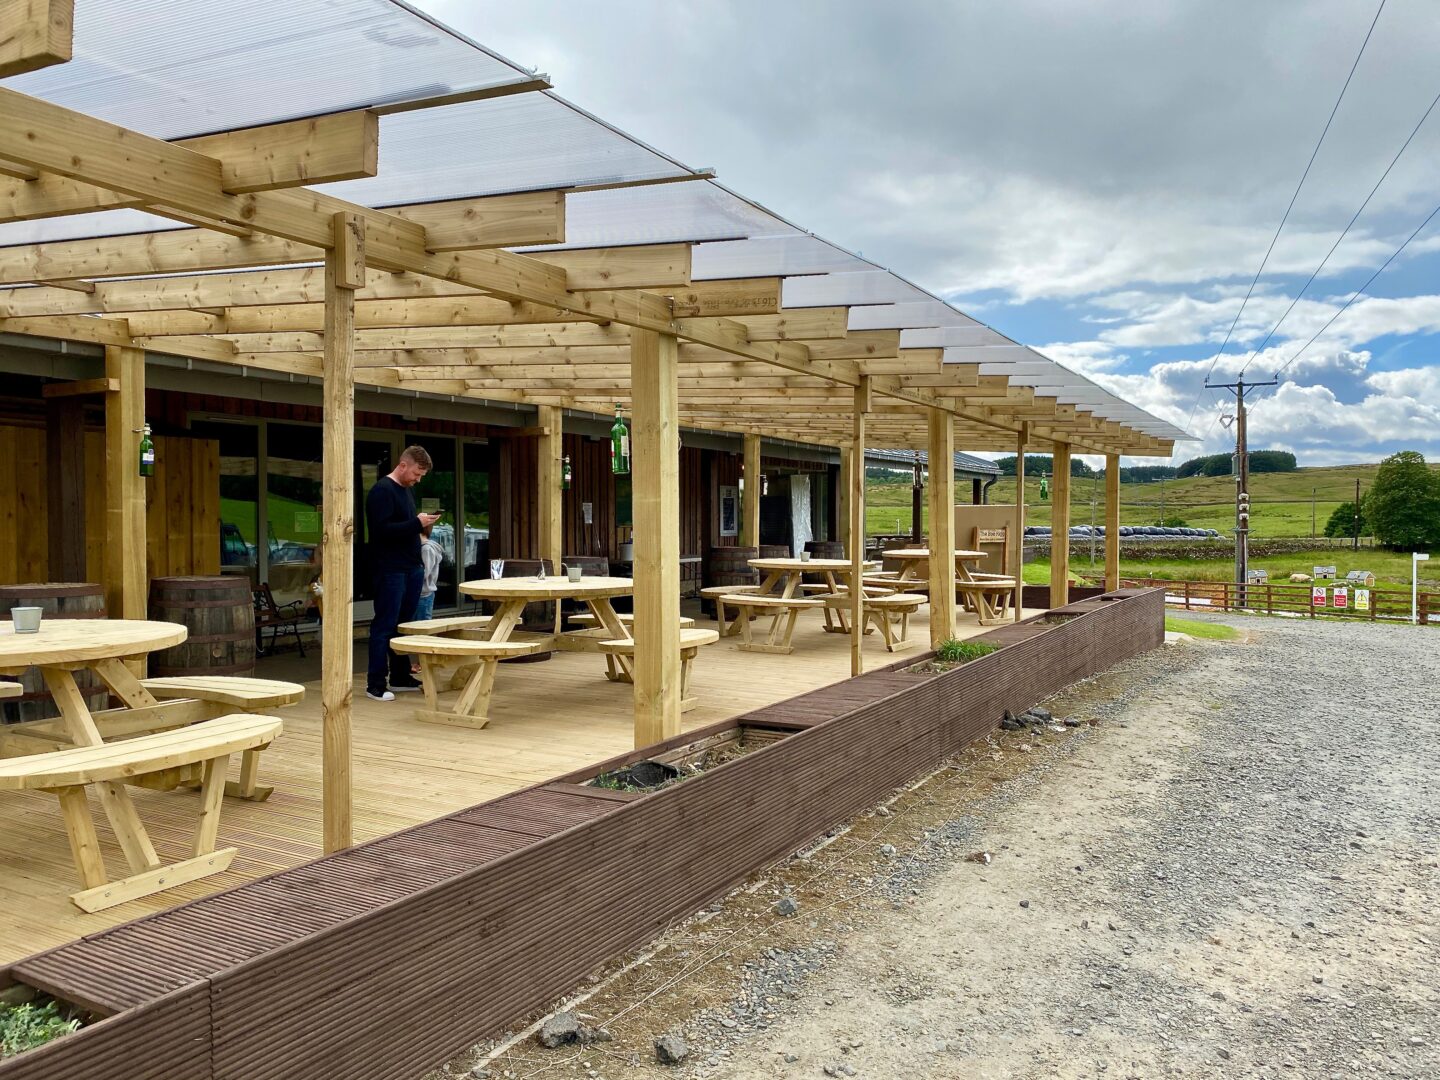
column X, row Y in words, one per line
column 547, row 719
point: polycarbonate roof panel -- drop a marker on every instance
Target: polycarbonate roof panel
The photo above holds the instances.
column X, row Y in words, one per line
column 172, row 68
column 832, row 290
column 794, row 252
column 665, row 213
column 919, row 313
column 522, row 142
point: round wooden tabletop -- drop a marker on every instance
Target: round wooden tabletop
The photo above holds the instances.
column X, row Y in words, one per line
column 70, row 641
column 817, row 565
column 551, row 588
column 924, row 553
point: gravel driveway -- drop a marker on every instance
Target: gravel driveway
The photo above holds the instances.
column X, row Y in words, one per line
column 1228, row 869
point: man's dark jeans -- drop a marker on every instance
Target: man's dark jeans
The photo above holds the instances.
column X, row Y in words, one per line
column 396, row 594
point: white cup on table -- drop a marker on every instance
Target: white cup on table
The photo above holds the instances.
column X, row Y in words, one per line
column 26, row 619
column 573, row 573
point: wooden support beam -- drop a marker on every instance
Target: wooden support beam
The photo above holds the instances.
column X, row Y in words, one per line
column 125, row 585
column 549, row 497
column 1112, row 522
column 750, row 510
column 942, row 526
column 1060, row 527
column 655, row 461
column 344, row 272
column 1017, row 527
column 842, row 496
column 856, row 539
column 34, row 34
column 313, row 150
column 530, row 217
column 645, row 266
column 730, row 296
column 79, row 388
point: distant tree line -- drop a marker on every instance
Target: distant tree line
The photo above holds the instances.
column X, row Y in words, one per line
column 1220, row 464
column 1036, row 464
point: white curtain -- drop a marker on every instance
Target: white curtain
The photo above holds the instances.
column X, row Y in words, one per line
column 800, row 511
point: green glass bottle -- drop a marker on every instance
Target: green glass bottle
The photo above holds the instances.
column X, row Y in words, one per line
column 619, row 445
column 147, row 454
column 1044, row 489
column 566, row 475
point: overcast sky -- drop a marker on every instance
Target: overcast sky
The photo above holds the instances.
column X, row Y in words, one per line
column 1099, row 180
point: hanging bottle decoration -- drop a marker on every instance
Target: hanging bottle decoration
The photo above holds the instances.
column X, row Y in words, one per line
column 1044, row 488
column 764, row 484
column 147, row 453
column 565, row 474
column 619, row 445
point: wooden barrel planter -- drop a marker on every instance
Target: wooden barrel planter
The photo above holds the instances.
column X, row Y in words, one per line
column 825, row 549
column 775, row 551
column 730, row 566
column 220, row 615
column 57, row 600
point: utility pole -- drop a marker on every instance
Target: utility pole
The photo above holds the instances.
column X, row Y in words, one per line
column 1312, row 512
column 1242, row 477
column 1356, row 545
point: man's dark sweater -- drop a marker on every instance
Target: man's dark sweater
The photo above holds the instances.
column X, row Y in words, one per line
column 394, row 527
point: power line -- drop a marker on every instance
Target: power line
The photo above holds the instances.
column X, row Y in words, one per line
column 1313, row 154
column 1354, row 296
column 1413, row 132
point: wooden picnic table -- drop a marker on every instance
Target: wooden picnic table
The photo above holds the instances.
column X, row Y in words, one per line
column 512, row 594
column 183, row 735
column 915, row 562
column 783, row 576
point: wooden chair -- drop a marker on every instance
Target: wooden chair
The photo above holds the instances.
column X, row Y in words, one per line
column 473, row 707
column 690, row 642
column 278, row 619
column 109, row 766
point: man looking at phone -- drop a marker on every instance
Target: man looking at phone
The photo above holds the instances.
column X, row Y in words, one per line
column 394, row 533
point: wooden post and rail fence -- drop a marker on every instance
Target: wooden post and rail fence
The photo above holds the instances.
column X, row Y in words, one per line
column 1268, row 598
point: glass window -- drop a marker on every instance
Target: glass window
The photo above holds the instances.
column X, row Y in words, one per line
column 239, row 495
column 475, row 556
column 435, row 494
column 293, row 486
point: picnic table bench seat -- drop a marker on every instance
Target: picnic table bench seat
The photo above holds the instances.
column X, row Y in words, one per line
column 690, row 641
column 448, row 625
column 108, row 766
column 473, row 706
column 237, row 692
column 10, row 689
column 784, row 610
column 989, row 598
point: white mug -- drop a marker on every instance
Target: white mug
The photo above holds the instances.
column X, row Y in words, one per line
column 573, row 572
column 26, row 619
column 804, row 556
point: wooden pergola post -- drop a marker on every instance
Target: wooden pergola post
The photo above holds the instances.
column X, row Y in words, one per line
column 856, row 538
column 1017, row 539
column 125, row 586
column 549, row 479
column 750, row 510
column 942, row 526
column 1112, row 522
column 655, row 468
column 344, row 273
column 842, row 497
column 1060, row 527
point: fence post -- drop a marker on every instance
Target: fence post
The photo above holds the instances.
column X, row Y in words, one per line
column 1269, row 599
column 1424, row 609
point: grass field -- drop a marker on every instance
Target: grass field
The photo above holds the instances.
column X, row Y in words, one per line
column 1280, row 503
column 1197, row 629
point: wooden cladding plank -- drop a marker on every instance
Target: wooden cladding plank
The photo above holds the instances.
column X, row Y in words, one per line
column 35, row 34
column 645, row 266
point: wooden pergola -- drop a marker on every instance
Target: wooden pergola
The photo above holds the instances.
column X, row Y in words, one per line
column 270, row 274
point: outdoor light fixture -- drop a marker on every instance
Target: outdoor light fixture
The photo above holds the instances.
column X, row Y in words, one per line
column 619, row 445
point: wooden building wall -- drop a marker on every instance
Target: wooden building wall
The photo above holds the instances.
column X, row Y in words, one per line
column 182, row 507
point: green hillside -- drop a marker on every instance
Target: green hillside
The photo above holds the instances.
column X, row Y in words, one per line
column 1280, row 503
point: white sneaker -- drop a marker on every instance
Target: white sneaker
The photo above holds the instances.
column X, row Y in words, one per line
column 383, row 696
